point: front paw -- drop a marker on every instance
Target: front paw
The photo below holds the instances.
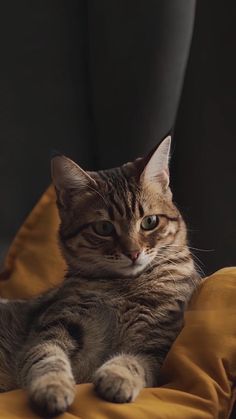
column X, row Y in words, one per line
column 116, row 384
column 51, row 396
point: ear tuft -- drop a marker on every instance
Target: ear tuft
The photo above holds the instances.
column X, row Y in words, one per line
column 157, row 166
column 55, row 153
column 66, row 174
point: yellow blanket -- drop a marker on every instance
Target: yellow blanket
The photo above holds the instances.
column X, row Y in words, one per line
column 199, row 373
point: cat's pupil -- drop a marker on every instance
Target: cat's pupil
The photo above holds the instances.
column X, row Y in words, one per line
column 149, row 222
column 103, row 228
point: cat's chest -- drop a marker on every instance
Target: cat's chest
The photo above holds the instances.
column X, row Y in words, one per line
column 128, row 311
column 127, row 304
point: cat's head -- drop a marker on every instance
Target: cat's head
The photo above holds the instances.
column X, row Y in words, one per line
column 116, row 222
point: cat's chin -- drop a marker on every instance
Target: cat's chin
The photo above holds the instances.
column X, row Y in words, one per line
column 131, row 270
column 122, row 269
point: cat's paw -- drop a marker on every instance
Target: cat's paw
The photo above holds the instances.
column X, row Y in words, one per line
column 116, row 384
column 51, row 396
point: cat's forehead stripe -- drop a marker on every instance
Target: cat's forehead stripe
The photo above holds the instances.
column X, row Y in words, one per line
column 141, row 210
column 133, row 202
column 123, row 194
column 111, row 212
column 117, row 206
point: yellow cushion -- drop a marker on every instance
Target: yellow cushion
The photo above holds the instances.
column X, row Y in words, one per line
column 33, row 262
column 199, row 373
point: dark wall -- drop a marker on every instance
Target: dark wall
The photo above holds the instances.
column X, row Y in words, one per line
column 97, row 80
column 204, row 160
column 43, row 98
column 138, row 54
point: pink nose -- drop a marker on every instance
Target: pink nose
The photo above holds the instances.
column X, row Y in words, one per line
column 133, row 255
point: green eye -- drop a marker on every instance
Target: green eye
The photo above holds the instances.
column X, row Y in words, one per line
column 104, row 228
column 149, row 222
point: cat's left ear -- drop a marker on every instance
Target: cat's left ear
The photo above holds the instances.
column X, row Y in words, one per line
column 156, row 165
column 69, row 179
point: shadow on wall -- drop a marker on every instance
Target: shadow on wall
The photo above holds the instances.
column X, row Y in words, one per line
column 42, row 102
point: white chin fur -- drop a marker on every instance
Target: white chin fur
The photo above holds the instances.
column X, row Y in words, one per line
column 131, row 270
column 4, row 300
column 127, row 268
column 111, row 267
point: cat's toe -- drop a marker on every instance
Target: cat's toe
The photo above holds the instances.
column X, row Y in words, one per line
column 115, row 385
column 52, row 399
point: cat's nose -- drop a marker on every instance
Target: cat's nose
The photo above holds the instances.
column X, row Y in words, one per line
column 133, row 255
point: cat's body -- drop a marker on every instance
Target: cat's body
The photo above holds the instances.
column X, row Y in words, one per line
column 118, row 311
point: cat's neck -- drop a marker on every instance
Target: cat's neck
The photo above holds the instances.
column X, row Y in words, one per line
column 170, row 274
column 172, row 260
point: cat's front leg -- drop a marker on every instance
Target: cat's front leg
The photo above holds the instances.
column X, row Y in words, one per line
column 46, row 374
column 121, row 378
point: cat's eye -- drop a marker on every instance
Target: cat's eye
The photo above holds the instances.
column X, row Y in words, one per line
column 149, row 222
column 104, row 228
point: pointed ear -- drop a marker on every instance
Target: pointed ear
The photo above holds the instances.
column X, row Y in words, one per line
column 67, row 175
column 156, row 166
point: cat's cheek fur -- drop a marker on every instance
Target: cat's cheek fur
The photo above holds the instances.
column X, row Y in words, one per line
column 120, row 379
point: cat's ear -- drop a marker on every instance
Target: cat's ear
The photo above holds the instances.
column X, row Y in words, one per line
column 156, row 164
column 68, row 176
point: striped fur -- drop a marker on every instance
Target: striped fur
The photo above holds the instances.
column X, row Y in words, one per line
column 114, row 319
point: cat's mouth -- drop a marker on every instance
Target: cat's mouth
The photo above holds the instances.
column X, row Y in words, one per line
column 135, row 266
column 132, row 270
column 139, row 261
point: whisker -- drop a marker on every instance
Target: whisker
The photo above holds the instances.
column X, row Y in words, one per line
column 197, row 261
column 190, row 247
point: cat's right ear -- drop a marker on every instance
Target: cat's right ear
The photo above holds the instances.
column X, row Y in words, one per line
column 155, row 167
column 67, row 176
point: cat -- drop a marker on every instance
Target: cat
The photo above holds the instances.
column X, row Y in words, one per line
column 121, row 305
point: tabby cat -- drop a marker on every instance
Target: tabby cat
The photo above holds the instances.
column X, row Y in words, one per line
column 130, row 275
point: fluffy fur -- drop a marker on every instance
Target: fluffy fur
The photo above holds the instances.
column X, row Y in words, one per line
column 130, row 276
